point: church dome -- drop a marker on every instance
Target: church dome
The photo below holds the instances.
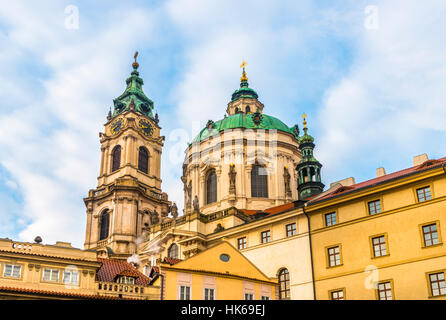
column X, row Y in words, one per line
column 245, row 121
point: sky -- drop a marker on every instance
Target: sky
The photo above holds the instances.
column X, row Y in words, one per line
column 370, row 75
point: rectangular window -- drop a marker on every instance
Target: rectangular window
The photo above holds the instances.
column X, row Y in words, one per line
column 12, row 270
column 379, row 246
column 291, row 229
column 249, row 296
column 265, row 298
column 266, row 236
column 424, row 194
column 430, row 235
column 384, row 291
column 334, row 257
column 184, row 293
column 374, row 207
column 209, row 294
column 51, row 275
column 330, row 219
column 70, row 277
column 438, row 285
column 241, row 243
column 337, row 295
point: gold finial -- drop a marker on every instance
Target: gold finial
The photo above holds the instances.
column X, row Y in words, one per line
column 135, row 64
column 244, row 77
column 304, row 116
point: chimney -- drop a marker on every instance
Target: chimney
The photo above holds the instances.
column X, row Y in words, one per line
column 380, row 172
column 417, row 160
column 345, row 182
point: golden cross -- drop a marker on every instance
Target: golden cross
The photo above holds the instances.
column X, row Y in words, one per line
column 136, row 54
column 304, row 116
column 243, row 64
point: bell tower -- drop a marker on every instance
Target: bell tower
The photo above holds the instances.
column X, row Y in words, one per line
column 309, row 168
column 128, row 198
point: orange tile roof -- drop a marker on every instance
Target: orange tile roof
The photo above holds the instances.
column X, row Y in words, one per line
column 171, row 261
column 427, row 165
column 55, row 293
column 46, row 255
column 250, row 212
column 279, row 209
column 111, row 268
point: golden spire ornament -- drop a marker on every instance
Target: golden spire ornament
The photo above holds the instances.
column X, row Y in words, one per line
column 135, row 64
column 244, row 77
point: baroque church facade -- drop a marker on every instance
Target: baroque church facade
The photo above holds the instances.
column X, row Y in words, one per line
column 234, row 171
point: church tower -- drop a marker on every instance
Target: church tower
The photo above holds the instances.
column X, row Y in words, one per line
column 128, row 198
column 308, row 169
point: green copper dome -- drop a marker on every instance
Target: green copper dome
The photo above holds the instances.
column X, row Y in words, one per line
column 244, row 92
column 246, row 121
column 133, row 96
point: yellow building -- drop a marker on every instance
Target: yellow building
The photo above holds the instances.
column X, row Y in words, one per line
column 382, row 238
column 218, row 273
column 37, row 271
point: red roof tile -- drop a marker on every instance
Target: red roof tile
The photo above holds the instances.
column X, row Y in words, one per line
column 250, row 212
column 279, row 209
column 55, row 293
column 46, row 255
column 379, row 180
column 171, row 261
column 111, row 268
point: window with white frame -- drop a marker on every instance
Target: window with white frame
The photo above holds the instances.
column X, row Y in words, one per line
column 437, row 283
column 334, row 256
column 265, row 298
column 337, row 295
column 249, row 296
column 51, row 275
column 384, row 291
column 126, row 280
column 209, row 294
column 184, row 293
column 70, row 277
column 12, row 270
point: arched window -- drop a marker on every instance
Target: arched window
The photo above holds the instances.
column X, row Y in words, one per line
column 105, row 221
column 248, row 109
column 172, row 252
column 259, row 182
column 211, row 187
column 284, row 284
column 143, row 160
column 116, row 158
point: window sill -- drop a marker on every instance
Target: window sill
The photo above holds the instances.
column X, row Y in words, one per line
column 12, row 278
column 439, row 296
column 385, row 255
column 431, row 246
column 331, row 267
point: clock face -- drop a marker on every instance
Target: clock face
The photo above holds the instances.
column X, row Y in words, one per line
column 117, row 126
column 146, row 127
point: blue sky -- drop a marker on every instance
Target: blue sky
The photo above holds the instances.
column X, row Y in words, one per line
column 371, row 83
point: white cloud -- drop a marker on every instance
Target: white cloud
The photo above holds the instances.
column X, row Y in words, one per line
column 50, row 144
column 390, row 106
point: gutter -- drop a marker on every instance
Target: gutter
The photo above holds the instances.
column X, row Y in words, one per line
column 162, row 286
column 311, row 251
